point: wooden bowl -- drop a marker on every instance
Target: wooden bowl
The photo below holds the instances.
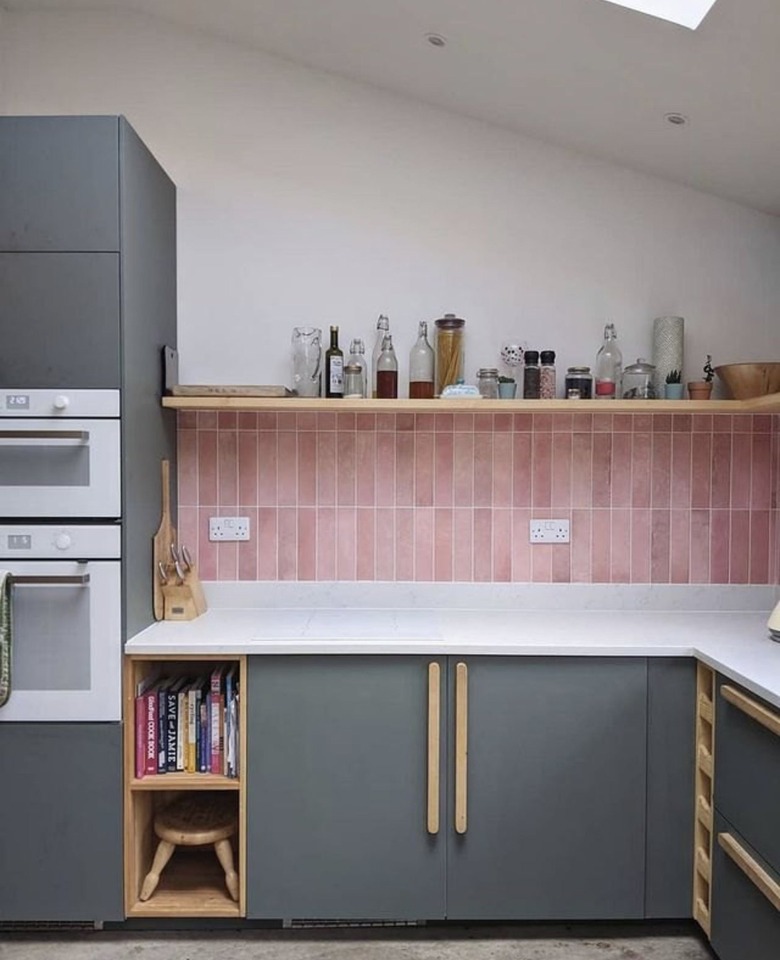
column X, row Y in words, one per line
column 747, row 380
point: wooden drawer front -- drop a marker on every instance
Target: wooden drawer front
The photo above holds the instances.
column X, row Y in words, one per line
column 745, row 899
column 747, row 768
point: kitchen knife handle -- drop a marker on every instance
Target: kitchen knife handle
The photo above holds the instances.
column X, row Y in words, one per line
column 434, row 745
column 461, row 746
column 751, row 868
column 754, row 710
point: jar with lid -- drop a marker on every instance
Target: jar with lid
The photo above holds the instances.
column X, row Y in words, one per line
column 354, row 382
column 531, row 375
column 579, row 383
column 449, row 351
column 487, row 383
column 547, row 375
column 638, row 381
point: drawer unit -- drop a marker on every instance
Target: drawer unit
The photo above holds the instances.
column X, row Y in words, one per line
column 745, row 899
column 747, row 764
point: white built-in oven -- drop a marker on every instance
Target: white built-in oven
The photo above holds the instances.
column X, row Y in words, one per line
column 66, row 632
column 60, row 454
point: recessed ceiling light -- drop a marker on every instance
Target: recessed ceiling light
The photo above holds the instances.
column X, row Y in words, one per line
column 676, row 119
column 436, row 39
column 688, row 13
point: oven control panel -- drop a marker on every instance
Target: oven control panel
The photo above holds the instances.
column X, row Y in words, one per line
column 56, row 542
column 59, row 403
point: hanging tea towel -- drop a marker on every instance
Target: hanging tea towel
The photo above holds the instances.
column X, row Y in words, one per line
column 5, row 637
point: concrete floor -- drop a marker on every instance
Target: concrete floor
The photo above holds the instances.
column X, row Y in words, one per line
column 462, row 943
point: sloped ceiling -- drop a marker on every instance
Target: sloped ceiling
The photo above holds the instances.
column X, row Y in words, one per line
column 584, row 74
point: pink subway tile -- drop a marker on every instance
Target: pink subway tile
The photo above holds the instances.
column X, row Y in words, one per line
column 207, row 551
column 660, row 547
column 739, row 565
column 661, row 470
column 287, row 468
column 463, row 469
column 366, row 541
column 445, row 422
column 562, row 422
column 247, row 549
column 541, row 469
column 267, row 535
column 306, row 420
column 641, row 463
column 680, row 546
column 327, row 421
column 385, row 543
column 385, row 422
column 346, row 468
column 701, row 469
column 502, row 545
column 404, row 422
column 483, row 422
column 288, row 543
column 287, row 420
column 463, row 422
column 721, row 469
column 561, row 563
column 442, row 545
column 443, row 469
column 701, row 536
column 326, row 543
column 521, row 548
column 742, row 423
column 541, row 562
column 187, row 522
column 423, row 544
column 404, row 543
column 385, row 469
column 761, row 472
column 247, row 420
column 662, row 422
column 307, row 543
column 620, row 546
column 502, row 470
column 723, row 423
column 759, row 546
column 266, row 421
column 643, row 422
column 620, row 470
column 720, row 545
column 681, row 471
column 346, row 543
column 762, row 423
column 187, row 458
column 641, row 535
column 483, row 470
column 345, row 421
column 425, row 421
column 523, row 422
column 581, row 469
column 542, row 422
column 365, row 422
column 187, row 420
column 503, row 422
column 682, row 423
column 266, row 469
column 622, row 423
column 227, row 561
column 522, row 446
column 247, row 467
column 560, row 495
column 483, row 545
column 602, row 423
column 602, row 470
column 423, row 469
column 582, row 422
column 741, row 452
column 227, row 420
column 208, row 420
column 207, row 468
column 600, row 546
column 365, row 460
column 463, row 544
column 703, row 423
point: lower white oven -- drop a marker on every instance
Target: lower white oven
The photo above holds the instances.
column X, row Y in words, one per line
column 67, row 621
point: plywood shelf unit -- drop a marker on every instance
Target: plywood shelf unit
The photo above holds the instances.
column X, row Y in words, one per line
column 705, row 753
column 192, row 884
column 768, row 404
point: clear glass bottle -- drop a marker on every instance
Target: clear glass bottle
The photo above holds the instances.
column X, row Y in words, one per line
column 421, row 366
column 357, row 354
column 334, row 366
column 387, row 371
column 487, row 383
column 547, row 375
column 382, row 327
column 354, row 382
column 531, row 375
column 609, row 366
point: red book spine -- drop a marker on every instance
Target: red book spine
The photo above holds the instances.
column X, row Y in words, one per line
column 150, row 732
column 140, row 736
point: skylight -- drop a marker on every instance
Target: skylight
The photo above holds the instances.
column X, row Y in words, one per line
column 688, row 13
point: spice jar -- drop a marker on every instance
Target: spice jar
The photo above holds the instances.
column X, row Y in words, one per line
column 531, row 375
column 487, row 382
column 354, row 384
column 579, row 383
column 449, row 350
column 547, row 375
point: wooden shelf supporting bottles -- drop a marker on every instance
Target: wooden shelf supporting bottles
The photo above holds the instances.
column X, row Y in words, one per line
column 192, row 884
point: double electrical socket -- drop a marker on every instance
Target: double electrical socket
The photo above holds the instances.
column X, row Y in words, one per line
column 228, row 528
column 548, row 531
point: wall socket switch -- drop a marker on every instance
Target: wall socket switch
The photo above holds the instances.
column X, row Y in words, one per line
column 228, row 528
column 548, row 531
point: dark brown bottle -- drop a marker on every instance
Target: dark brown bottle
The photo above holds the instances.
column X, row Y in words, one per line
column 334, row 367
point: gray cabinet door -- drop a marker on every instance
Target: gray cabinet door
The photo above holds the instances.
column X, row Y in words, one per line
column 60, row 183
column 337, row 761
column 556, row 790
column 61, row 821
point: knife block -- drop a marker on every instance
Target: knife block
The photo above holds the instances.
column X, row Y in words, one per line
column 184, row 601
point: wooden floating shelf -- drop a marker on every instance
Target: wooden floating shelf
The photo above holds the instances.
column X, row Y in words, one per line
column 767, row 404
column 181, row 781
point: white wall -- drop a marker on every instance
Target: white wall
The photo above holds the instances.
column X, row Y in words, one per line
column 304, row 198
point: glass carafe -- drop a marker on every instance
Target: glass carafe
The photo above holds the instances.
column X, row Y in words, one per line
column 306, row 360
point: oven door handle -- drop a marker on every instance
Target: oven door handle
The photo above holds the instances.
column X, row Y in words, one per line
column 79, row 435
column 78, row 581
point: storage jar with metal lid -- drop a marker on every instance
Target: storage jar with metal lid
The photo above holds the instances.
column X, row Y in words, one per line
column 487, row 382
column 579, row 383
column 449, row 351
column 638, row 381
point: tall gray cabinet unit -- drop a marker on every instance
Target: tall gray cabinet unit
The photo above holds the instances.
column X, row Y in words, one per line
column 87, row 301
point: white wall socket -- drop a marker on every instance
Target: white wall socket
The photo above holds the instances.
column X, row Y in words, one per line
column 548, row 531
column 228, row 528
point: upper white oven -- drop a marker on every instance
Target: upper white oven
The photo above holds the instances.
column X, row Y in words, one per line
column 60, row 454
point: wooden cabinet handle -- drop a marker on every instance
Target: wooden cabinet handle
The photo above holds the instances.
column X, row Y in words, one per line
column 752, row 870
column 753, row 709
column 461, row 746
column 434, row 745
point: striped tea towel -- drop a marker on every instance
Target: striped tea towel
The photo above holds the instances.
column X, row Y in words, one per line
column 5, row 637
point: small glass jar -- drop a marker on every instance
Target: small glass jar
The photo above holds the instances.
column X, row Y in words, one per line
column 487, row 382
column 354, row 384
column 638, row 381
column 449, row 351
column 579, row 383
column 531, row 376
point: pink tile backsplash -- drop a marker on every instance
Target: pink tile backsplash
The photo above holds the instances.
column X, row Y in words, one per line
column 448, row 497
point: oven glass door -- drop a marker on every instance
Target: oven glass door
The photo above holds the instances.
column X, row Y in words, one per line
column 66, row 646
column 59, row 468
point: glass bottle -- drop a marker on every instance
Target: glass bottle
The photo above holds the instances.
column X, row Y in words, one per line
column 334, row 366
column 547, row 375
column 387, row 371
column 531, row 375
column 382, row 327
column 421, row 364
column 609, row 366
column 357, row 355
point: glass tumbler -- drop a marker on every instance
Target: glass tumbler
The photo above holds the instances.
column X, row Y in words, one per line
column 306, row 360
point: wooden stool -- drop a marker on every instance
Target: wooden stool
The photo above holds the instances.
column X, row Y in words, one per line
column 193, row 820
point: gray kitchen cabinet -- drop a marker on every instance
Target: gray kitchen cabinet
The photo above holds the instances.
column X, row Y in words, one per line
column 555, row 790
column 337, row 789
column 61, row 816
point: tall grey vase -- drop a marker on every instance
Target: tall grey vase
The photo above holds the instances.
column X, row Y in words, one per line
column 667, row 349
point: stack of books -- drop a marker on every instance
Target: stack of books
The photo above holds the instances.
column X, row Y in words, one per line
column 188, row 724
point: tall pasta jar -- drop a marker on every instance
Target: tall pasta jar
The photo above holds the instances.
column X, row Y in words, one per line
column 449, row 351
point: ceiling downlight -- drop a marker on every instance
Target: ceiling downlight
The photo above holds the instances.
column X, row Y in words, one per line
column 436, row 40
column 676, row 119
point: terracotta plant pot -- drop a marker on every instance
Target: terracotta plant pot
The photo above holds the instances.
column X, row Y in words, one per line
column 699, row 389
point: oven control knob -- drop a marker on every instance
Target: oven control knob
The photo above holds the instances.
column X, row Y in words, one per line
column 63, row 541
column 61, row 402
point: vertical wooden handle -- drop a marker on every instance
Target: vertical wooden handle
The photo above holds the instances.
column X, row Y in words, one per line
column 434, row 746
column 461, row 746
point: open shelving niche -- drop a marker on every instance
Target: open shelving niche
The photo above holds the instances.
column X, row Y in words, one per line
column 193, row 882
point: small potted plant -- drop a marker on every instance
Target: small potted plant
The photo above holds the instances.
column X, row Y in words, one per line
column 702, row 389
column 507, row 388
column 673, row 389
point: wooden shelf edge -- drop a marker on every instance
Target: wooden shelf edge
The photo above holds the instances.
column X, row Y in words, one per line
column 150, row 909
column 768, row 404
column 182, row 781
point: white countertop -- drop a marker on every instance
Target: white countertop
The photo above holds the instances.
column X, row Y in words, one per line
column 725, row 627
